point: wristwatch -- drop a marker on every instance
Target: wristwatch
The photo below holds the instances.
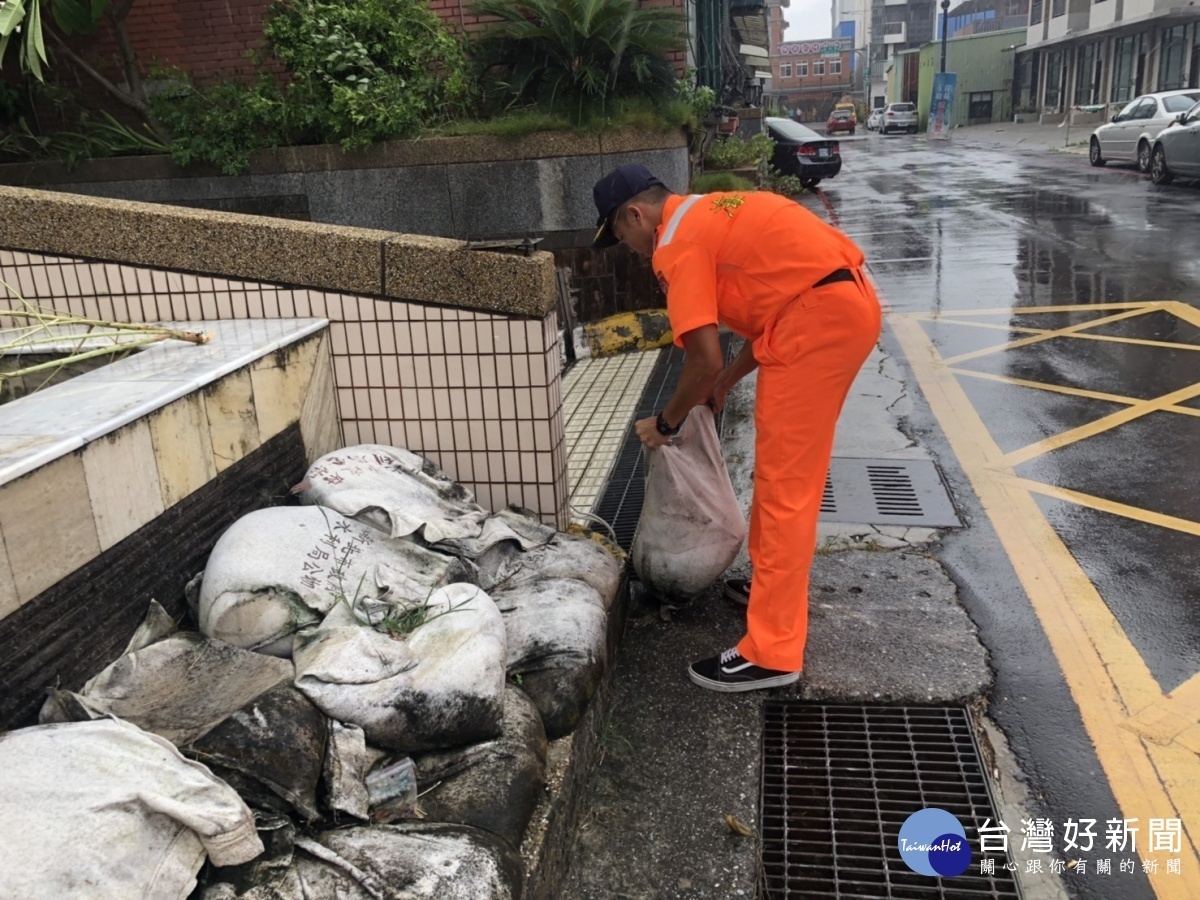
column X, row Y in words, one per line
column 664, row 429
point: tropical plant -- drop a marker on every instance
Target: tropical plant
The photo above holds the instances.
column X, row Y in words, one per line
column 24, row 17
column 576, row 57
column 782, row 183
column 27, row 19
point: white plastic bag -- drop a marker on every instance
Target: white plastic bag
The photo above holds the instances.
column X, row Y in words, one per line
column 691, row 526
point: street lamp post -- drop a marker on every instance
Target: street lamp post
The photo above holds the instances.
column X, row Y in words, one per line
column 945, row 29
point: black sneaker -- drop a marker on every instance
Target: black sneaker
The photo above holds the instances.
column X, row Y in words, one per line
column 738, row 590
column 730, row 673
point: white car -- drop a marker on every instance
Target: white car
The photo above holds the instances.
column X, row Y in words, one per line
column 899, row 117
column 1130, row 135
column 875, row 119
column 1177, row 149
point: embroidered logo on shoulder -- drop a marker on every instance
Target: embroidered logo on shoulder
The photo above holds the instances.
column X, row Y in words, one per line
column 728, row 203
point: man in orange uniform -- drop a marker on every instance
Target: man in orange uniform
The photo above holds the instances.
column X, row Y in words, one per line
column 792, row 286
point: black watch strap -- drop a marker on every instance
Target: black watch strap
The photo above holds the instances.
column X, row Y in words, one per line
column 664, row 429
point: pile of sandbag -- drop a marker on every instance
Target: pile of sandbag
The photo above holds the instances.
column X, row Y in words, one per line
column 385, row 652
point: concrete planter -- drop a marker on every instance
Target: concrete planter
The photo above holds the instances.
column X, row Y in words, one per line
column 1024, row 118
column 470, row 187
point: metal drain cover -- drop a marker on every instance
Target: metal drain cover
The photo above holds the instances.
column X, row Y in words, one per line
column 838, row 782
column 887, row 492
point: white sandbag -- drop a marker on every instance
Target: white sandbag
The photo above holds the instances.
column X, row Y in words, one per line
column 557, row 646
column 413, row 861
column 278, row 570
column 507, row 564
column 104, row 810
column 396, row 491
column 441, row 685
column 179, row 688
column 691, row 526
column 405, row 495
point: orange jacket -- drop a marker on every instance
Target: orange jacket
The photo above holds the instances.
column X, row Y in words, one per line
column 739, row 258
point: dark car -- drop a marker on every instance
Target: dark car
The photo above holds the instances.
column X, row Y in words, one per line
column 802, row 152
column 841, row 120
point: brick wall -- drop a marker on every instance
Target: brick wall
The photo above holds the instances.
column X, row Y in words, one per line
column 212, row 37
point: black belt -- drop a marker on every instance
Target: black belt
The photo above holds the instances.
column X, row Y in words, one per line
column 835, row 277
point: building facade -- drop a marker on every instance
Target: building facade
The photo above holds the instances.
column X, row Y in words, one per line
column 984, row 66
column 1097, row 53
column 896, row 25
column 809, row 77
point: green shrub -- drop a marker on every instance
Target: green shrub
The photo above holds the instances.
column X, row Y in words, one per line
column 359, row 72
column 575, row 57
column 720, row 181
column 735, row 152
column 779, row 183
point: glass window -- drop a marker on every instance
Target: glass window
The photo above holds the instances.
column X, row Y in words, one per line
column 785, row 70
column 801, row 69
column 1087, row 75
column 1035, row 12
column 788, row 130
column 1147, row 109
column 1179, row 103
column 1124, row 70
column 1127, row 113
column 819, row 67
column 1054, row 79
column 1171, row 55
column 835, row 67
column 1058, row 8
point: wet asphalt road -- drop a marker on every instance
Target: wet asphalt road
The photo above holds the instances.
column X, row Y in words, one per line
column 954, row 230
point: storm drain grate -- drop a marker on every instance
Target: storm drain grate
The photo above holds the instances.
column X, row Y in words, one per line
column 838, row 782
column 887, row 492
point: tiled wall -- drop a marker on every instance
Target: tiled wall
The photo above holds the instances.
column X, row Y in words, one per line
column 129, row 477
column 478, row 393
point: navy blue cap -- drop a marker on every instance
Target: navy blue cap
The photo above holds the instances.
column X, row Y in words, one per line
column 619, row 186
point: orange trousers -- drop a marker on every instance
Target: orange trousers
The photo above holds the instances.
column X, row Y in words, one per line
column 808, row 358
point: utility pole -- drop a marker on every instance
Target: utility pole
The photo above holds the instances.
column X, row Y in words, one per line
column 945, row 30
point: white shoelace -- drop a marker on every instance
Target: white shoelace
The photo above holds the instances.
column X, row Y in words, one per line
column 729, row 655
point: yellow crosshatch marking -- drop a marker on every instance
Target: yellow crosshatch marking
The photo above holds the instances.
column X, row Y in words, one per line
column 1147, row 741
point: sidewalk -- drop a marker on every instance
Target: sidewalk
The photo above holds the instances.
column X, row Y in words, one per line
column 1072, row 139
column 677, row 760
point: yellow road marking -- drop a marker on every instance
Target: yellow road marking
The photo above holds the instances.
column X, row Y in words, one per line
column 1167, row 718
column 1106, row 675
column 1091, row 429
column 1187, row 526
column 1069, row 391
column 1184, row 311
column 1049, row 335
column 1078, row 335
column 1034, row 310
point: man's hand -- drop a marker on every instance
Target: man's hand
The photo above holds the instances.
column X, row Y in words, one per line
column 647, row 432
column 721, row 388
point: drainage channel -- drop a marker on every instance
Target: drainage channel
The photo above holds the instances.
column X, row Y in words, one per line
column 838, row 782
column 857, row 491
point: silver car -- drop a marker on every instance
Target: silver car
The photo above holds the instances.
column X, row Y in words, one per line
column 1177, row 149
column 1131, row 133
column 899, row 117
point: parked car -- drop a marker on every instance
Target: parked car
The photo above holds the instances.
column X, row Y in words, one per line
column 1176, row 150
column 899, row 117
column 1129, row 136
column 841, row 120
column 875, row 119
column 802, row 152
